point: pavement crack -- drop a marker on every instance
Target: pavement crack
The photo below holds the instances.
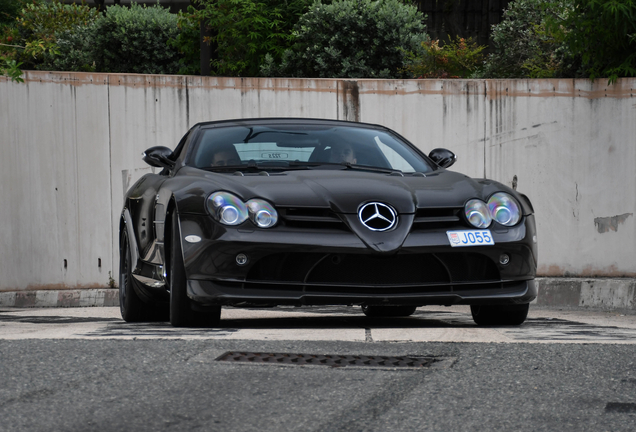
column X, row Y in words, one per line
column 367, row 335
column 29, row 396
column 364, row 415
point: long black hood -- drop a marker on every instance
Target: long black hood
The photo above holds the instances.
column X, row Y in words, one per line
column 342, row 190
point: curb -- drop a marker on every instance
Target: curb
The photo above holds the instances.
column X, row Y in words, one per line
column 61, row 298
column 606, row 294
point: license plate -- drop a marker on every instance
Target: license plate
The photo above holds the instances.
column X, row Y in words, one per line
column 470, row 238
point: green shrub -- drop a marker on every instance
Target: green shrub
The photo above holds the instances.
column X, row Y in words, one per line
column 244, row 31
column 135, row 40
column 74, row 51
column 525, row 46
column 458, row 58
column 352, row 39
column 40, row 20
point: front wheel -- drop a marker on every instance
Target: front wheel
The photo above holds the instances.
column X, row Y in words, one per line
column 388, row 311
column 181, row 314
column 492, row 315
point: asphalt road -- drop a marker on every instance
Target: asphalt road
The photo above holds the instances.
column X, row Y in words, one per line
column 83, row 369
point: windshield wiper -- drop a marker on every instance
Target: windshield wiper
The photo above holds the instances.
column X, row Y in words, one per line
column 275, row 165
column 344, row 166
column 284, row 165
column 370, row 168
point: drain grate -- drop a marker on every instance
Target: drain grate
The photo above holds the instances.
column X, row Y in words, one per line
column 329, row 360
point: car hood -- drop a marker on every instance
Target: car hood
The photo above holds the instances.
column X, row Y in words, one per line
column 344, row 191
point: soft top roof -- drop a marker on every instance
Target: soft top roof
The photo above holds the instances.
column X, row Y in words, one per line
column 288, row 121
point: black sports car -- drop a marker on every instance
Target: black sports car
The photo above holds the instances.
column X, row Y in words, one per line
column 267, row 212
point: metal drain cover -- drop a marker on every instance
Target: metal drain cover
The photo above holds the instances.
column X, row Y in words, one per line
column 334, row 360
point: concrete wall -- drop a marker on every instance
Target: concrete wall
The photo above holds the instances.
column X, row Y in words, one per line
column 70, row 146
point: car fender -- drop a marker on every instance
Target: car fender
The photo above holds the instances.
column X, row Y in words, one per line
column 132, row 240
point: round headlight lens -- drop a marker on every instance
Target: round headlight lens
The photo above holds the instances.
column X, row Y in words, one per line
column 477, row 213
column 262, row 213
column 227, row 208
column 504, row 209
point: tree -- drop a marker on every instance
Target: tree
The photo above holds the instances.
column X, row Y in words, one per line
column 526, row 46
column 603, row 34
column 244, row 31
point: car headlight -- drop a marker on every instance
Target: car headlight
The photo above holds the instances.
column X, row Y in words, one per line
column 231, row 210
column 262, row 213
column 477, row 213
column 504, row 209
column 227, row 208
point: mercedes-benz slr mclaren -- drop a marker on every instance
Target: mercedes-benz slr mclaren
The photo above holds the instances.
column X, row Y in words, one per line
column 269, row 212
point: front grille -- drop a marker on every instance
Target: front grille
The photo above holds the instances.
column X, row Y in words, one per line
column 369, row 270
column 325, row 218
column 436, row 218
column 311, row 218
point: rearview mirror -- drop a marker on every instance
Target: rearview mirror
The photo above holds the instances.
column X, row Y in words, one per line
column 159, row 157
column 442, row 157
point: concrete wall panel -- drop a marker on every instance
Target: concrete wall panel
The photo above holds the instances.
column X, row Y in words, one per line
column 571, row 146
column 72, row 144
column 430, row 114
column 57, row 224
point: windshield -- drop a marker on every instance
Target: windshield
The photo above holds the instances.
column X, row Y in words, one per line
column 303, row 145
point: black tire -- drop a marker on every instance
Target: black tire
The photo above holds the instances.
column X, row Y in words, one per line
column 132, row 308
column 181, row 313
column 494, row 315
column 388, row 311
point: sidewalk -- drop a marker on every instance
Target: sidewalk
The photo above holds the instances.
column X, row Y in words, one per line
column 607, row 294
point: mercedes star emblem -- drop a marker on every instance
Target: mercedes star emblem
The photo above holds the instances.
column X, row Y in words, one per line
column 377, row 216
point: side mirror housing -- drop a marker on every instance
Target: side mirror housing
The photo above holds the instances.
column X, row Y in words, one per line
column 159, row 157
column 442, row 157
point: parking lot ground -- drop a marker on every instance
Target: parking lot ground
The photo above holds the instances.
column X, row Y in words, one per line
column 85, row 369
column 428, row 324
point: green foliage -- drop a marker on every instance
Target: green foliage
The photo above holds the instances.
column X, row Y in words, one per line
column 458, row 58
column 9, row 10
column 10, row 68
column 603, row 34
column 244, row 31
column 525, row 46
column 31, row 39
column 352, row 39
column 187, row 43
column 53, row 36
column 134, row 40
column 75, row 50
column 41, row 20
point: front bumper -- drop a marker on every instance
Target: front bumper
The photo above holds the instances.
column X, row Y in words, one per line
column 334, row 267
column 209, row 293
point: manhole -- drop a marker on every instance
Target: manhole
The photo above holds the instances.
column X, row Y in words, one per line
column 334, row 360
